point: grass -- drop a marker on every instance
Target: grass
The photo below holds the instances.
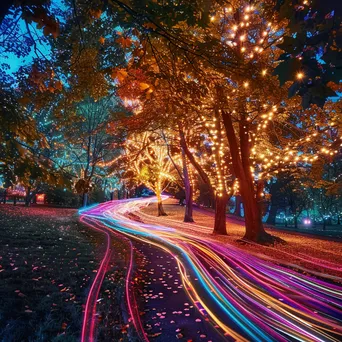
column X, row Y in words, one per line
column 47, row 262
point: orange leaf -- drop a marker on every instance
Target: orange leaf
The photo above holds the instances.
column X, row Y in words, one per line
column 150, row 25
column 143, row 86
column 124, row 42
column 59, row 85
column 120, row 74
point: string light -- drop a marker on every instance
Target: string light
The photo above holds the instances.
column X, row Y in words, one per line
column 300, row 75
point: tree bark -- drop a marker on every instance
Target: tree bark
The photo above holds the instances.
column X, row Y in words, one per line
column 241, row 166
column 85, row 199
column 272, row 214
column 161, row 211
column 188, row 190
column 188, row 206
column 196, row 165
column 237, row 210
column 28, row 197
column 5, row 194
column 220, row 214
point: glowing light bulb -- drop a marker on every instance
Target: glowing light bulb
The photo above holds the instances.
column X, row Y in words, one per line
column 300, row 75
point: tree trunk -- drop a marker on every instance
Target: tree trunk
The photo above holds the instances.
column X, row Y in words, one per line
column 241, row 166
column 5, row 194
column 272, row 214
column 296, row 221
column 188, row 207
column 28, row 197
column 237, row 210
column 188, row 191
column 85, row 199
column 254, row 227
column 220, row 214
column 161, row 211
column 205, row 178
column 15, row 200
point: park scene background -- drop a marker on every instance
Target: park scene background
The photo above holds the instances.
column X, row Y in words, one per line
column 170, row 170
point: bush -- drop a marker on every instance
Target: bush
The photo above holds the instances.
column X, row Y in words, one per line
column 64, row 197
column 97, row 195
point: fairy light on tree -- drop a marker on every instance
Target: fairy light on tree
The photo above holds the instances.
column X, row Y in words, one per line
column 147, row 162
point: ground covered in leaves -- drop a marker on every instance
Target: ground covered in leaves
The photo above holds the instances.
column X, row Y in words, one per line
column 48, row 260
column 302, row 252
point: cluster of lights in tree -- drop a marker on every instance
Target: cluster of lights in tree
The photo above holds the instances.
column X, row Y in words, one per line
column 238, row 33
column 217, row 137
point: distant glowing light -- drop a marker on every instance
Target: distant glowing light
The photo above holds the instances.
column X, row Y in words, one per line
column 300, row 76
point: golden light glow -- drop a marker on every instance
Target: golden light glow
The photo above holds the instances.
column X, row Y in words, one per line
column 300, row 75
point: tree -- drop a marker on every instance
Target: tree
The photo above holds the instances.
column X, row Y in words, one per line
column 148, row 163
column 89, row 143
column 238, row 50
column 22, row 151
column 313, row 46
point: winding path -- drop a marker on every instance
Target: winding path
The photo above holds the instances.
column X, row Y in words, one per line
column 246, row 298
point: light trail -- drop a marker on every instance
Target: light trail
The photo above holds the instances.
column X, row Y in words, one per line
column 249, row 298
column 89, row 318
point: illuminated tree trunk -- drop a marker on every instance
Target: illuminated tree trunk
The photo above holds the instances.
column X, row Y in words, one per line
column 161, row 211
column 188, row 190
column 242, row 169
column 220, row 214
column 158, row 191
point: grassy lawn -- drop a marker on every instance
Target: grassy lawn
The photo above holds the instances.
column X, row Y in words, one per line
column 47, row 262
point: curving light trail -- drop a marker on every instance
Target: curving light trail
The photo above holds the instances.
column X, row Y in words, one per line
column 247, row 297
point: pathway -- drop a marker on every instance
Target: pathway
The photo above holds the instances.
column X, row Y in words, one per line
column 246, row 298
